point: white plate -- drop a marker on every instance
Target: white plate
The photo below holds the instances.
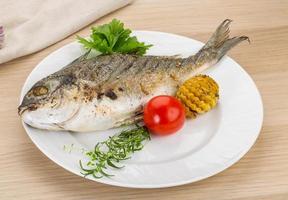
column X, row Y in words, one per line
column 204, row 147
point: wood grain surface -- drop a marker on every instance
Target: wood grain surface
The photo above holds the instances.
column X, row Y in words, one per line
column 25, row 173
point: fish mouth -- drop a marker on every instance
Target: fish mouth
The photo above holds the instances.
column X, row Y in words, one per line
column 23, row 108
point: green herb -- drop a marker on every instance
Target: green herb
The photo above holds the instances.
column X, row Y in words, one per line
column 113, row 37
column 116, row 148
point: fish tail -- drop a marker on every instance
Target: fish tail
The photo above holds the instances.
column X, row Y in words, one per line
column 217, row 46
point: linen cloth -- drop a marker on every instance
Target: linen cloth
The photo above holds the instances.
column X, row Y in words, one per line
column 31, row 25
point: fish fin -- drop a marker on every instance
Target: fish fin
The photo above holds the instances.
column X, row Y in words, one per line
column 173, row 56
column 218, row 45
column 129, row 121
column 81, row 58
column 133, row 119
column 229, row 44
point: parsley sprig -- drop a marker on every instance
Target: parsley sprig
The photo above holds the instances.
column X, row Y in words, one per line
column 112, row 151
column 113, row 37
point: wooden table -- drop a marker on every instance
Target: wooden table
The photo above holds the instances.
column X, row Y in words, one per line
column 25, row 173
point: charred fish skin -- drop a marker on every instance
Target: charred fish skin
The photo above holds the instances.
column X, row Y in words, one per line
column 110, row 90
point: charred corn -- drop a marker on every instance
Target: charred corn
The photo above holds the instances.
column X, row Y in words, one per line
column 198, row 95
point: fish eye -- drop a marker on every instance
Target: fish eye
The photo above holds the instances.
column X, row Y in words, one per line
column 40, row 90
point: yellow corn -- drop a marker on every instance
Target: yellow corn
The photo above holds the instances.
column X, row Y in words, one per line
column 198, row 95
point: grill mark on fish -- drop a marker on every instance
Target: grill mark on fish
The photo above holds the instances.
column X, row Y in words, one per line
column 154, row 66
column 121, row 62
column 138, row 65
column 123, row 65
column 144, row 65
column 117, row 61
column 101, row 69
column 128, row 66
column 131, row 62
column 113, row 77
column 163, row 63
column 145, row 62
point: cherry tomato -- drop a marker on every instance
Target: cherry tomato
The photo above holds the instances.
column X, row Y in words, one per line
column 164, row 115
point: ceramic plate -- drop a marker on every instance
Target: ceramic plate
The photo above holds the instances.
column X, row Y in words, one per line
column 204, row 147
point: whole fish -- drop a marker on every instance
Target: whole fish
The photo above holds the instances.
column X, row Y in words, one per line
column 110, row 90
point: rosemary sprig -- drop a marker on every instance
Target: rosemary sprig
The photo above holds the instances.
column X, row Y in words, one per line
column 116, row 148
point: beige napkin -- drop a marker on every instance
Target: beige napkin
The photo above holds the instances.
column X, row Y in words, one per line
column 31, row 25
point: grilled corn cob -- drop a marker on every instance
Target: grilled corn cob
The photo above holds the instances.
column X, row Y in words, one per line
column 198, row 95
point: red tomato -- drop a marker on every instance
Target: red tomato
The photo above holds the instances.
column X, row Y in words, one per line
column 164, row 115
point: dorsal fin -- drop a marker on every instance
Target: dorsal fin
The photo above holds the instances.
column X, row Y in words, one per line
column 81, row 58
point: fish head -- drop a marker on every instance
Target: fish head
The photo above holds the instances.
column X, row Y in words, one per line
column 50, row 102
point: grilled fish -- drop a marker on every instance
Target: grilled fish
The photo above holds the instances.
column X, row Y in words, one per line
column 110, row 90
